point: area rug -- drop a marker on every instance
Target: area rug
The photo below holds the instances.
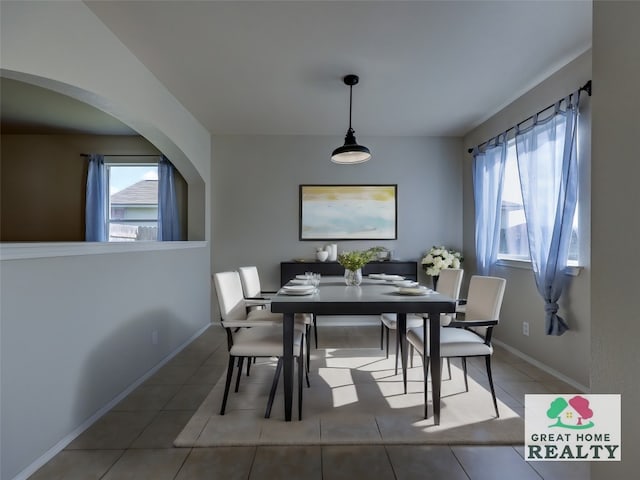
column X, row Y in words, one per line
column 355, row 398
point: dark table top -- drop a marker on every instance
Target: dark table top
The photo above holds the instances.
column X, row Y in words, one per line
column 372, row 297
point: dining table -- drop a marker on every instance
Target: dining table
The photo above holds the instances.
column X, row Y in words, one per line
column 374, row 296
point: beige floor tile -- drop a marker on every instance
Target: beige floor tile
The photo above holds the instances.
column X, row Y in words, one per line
column 148, row 464
column 491, row 463
column 163, row 430
column 287, row 462
column 148, row 397
column 411, row 462
column 518, row 390
column 174, row 373
column 345, row 429
column 228, row 463
column 115, row 430
column 188, row 397
column 356, row 462
column 78, row 465
column 209, row 373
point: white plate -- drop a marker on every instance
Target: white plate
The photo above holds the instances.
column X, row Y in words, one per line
column 302, row 277
column 298, row 288
column 298, row 292
column 405, row 283
column 414, row 291
column 298, row 281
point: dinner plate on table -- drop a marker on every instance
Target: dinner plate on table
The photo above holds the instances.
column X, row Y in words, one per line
column 298, row 289
column 299, row 281
column 302, row 277
column 419, row 290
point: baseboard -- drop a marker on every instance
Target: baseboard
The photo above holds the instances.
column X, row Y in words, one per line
column 543, row 367
column 67, row 439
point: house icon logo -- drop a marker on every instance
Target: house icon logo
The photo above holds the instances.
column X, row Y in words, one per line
column 574, row 414
column 572, row 427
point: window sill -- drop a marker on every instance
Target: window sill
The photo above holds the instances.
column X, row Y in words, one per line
column 571, row 270
column 16, row 251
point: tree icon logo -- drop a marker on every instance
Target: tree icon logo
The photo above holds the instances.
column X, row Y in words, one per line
column 572, row 412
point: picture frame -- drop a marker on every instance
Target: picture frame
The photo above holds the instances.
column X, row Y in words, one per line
column 348, row 212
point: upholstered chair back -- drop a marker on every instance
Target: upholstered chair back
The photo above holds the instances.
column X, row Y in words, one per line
column 230, row 296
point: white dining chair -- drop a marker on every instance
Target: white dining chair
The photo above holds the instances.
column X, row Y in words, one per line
column 251, row 335
column 251, row 287
column 256, row 298
column 448, row 285
column 470, row 337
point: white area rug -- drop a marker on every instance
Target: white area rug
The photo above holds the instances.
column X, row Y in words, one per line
column 355, row 398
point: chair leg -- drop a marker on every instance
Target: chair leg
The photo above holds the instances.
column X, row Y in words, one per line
column 274, row 386
column 315, row 330
column 397, row 350
column 464, row 369
column 425, row 370
column 249, row 364
column 449, row 367
column 487, row 360
column 381, row 335
column 308, row 347
column 232, row 361
column 240, row 364
column 387, row 330
column 300, row 371
column 411, row 354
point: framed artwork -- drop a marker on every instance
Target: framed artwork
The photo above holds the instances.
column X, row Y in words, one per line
column 348, row 212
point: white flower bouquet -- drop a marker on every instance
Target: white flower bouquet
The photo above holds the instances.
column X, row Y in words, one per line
column 440, row 257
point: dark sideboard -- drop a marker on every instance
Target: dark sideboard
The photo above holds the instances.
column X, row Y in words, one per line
column 289, row 270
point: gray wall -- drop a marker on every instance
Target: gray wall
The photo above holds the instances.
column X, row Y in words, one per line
column 77, row 331
column 255, row 182
column 569, row 353
column 615, row 360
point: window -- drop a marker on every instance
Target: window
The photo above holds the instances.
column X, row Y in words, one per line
column 132, row 202
column 514, row 244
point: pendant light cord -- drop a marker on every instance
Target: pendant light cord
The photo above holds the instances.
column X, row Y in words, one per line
column 350, row 104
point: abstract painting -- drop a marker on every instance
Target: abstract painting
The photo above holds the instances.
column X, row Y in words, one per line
column 348, row 212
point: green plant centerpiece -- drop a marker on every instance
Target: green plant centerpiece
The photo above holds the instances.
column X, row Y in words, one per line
column 353, row 262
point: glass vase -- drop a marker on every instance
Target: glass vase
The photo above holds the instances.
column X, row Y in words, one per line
column 353, row 277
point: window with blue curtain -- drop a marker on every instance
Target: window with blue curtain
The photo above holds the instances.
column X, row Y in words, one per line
column 526, row 195
column 131, row 201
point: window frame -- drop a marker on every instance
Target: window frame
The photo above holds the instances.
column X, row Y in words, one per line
column 124, row 164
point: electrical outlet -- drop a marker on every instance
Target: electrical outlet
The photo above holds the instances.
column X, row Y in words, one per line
column 525, row 328
column 154, row 337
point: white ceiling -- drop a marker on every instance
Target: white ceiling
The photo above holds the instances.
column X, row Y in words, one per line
column 425, row 67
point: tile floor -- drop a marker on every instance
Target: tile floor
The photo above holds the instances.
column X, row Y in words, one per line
column 134, row 440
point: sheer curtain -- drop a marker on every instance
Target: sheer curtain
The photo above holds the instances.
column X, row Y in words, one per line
column 488, row 174
column 96, row 200
column 168, row 221
column 547, row 162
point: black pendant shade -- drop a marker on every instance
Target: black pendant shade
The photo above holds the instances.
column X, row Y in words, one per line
column 350, row 152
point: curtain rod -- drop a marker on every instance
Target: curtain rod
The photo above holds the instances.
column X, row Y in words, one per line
column 585, row 88
column 125, row 155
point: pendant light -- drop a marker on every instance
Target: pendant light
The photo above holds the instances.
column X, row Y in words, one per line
column 350, row 152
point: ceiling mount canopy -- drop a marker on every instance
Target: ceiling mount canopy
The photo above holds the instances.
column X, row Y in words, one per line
column 350, row 152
